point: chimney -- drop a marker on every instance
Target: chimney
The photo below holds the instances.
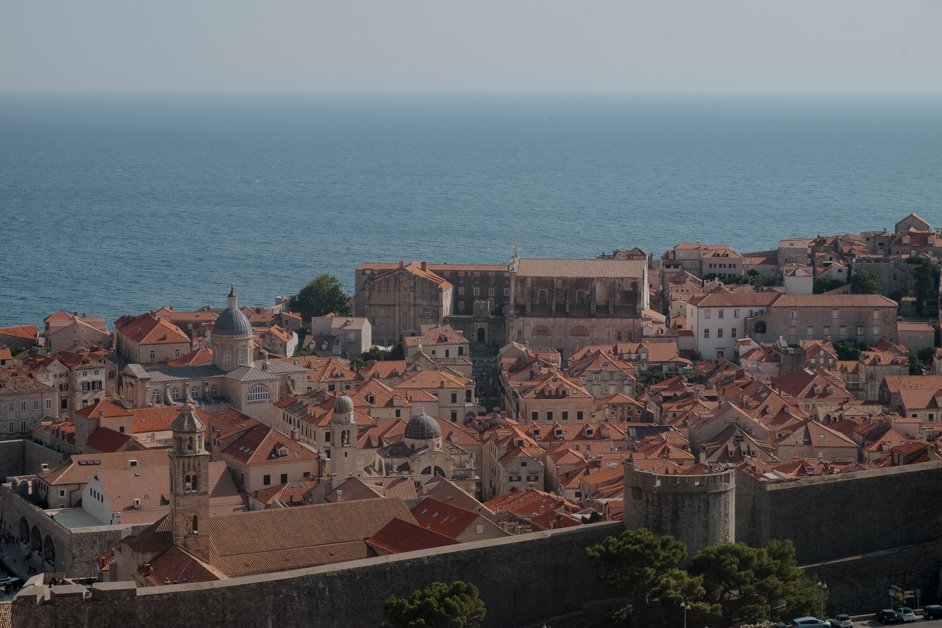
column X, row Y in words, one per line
column 294, row 434
column 339, row 495
column 424, row 265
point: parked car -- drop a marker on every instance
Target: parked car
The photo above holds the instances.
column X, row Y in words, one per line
column 933, row 611
column 841, row 621
column 905, row 614
column 809, row 622
column 887, row 616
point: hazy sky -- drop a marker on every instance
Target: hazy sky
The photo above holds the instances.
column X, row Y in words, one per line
column 475, row 45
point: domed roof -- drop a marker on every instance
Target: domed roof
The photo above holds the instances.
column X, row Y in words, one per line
column 423, row 427
column 232, row 322
column 343, row 407
column 187, row 421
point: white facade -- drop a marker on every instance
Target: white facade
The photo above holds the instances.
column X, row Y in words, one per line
column 716, row 328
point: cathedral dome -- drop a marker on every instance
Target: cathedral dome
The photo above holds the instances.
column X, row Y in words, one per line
column 423, row 427
column 232, row 322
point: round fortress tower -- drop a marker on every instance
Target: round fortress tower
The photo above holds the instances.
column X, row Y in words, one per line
column 696, row 509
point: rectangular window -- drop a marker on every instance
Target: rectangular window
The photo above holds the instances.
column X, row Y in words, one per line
column 706, row 333
column 266, row 480
column 22, row 426
column 454, row 397
column 467, row 396
column 719, row 332
column 732, row 332
column 809, row 331
column 860, row 331
column 454, row 416
column 534, row 416
column 490, row 292
column 735, row 313
column 23, row 404
column 794, row 314
column 834, row 315
column 477, row 291
column 720, row 313
column 48, row 404
column 579, row 415
column 64, row 403
column 707, row 314
column 11, row 427
column 549, row 415
column 284, row 478
column 460, row 291
column 506, row 292
column 565, row 416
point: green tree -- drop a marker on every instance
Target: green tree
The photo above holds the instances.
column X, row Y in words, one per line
column 643, row 567
column 439, row 605
column 864, row 282
column 823, row 284
column 925, row 282
column 848, row 349
column 897, row 595
column 651, row 376
column 752, row 584
column 320, row 296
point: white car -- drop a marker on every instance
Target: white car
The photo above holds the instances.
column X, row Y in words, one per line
column 809, row 622
column 905, row 614
column 841, row 621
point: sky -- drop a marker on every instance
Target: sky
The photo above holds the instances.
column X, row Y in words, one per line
column 658, row 46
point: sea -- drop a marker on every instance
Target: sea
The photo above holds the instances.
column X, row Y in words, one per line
column 116, row 204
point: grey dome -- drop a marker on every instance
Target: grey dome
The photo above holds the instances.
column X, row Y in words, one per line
column 423, row 427
column 343, row 406
column 232, row 322
column 187, row 421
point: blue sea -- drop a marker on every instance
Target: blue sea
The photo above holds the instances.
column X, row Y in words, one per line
column 113, row 204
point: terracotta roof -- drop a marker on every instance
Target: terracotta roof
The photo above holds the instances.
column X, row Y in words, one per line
column 26, row 332
column 202, row 355
column 720, row 298
column 529, row 503
column 290, row 493
column 445, row 519
column 148, row 329
column 177, row 566
column 83, row 467
column 581, row 268
column 384, row 369
column 291, row 538
column 103, row 408
column 10, row 382
column 402, row 536
column 261, row 444
column 834, row 300
column 432, row 379
column 107, row 440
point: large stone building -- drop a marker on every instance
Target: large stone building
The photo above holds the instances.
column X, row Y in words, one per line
column 866, row 318
column 23, row 403
column 567, row 304
column 399, row 300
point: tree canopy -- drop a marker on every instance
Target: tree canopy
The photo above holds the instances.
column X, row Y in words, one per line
column 439, row 605
column 751, row 584
column 322, row 295
column 643, row 567
column 864, row 282
column 723, row 584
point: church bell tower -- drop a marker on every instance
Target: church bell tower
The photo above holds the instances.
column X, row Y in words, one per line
column 189, row 479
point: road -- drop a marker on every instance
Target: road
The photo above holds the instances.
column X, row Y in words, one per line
column 936, row 623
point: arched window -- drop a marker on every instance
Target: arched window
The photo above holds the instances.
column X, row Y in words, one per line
column 345, row 437
column 259, row 393
column 194, row 526
column 190, row 484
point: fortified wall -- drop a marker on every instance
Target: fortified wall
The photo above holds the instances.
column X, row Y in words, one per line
column 696, row 509
column 830, row 517
column 521, row 579
column 24, row 457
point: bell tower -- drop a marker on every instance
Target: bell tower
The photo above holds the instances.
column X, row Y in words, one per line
column 343, row 438
column 189, row 480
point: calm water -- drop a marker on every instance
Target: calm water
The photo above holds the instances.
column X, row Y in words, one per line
column 120, row 204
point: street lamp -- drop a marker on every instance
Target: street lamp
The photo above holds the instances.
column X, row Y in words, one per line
column 686, row 608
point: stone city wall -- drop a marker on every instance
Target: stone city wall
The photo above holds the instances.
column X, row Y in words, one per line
column 861, row 584
column 522, row 579
column 830, row 517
